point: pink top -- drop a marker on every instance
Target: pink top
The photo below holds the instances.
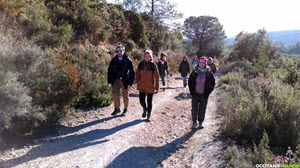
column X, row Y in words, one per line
column 200, row 83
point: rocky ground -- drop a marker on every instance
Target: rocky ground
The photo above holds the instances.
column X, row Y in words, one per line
column 96, row 139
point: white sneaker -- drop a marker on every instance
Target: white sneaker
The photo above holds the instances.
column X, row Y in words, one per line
column 200, row 125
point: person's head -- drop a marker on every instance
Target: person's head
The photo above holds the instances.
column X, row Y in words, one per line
column 195, row 57
column 210, row 60
column 120, row 50
column 148, row 55
column 184, row 58
column 202, row 62
column 163, row 55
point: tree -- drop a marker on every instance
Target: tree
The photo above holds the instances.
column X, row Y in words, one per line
column 133, row 5
column 207, row 33
column 159, row 9
column 252, row 47
column 295, row 49
column 163, row 9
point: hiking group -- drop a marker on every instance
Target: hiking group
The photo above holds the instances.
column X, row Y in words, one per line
column 121, row 76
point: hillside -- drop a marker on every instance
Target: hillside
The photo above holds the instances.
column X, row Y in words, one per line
column 287, row 37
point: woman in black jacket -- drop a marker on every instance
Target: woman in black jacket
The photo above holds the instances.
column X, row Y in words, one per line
column 201, row 83
column 184, row 70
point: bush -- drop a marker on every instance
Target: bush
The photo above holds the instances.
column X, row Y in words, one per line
column 105, row 33
column 292, row 76
column 231, row 78
column 129, row 45
column 252, row 106
column 137, row 55
column 14, row 99
column 289, row 158
column 31, row 13
column 97, row 93
column 93, row 71
column 243, row 65
column 174, row 60
column 236, row 157
column 283, row 104
column 17, row 109
column 138, row 28
column 262, row 153
column 252, row 46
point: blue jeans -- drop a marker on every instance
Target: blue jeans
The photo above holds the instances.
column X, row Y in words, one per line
column 163, row 79
column 184, row 81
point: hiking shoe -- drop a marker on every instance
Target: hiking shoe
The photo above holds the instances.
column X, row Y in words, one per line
column 124, row 112
column 194, row 126
column 164, row 89
column 116, row 111
column 148, row 118
column 200, row 125
column 144, row 113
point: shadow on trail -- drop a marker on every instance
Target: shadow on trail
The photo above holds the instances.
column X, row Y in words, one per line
column 133, row 95
column 17, row 142
column 69, row 143
column 148, row 157
column 172, row 88
column 182, row 96
column 68, row 130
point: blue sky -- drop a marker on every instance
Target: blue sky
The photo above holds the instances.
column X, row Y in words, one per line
column 245, row 15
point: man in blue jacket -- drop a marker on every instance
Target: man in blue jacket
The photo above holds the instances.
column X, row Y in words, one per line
column 120, row 76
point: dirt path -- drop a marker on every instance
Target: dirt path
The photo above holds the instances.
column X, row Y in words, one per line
column 95, row 139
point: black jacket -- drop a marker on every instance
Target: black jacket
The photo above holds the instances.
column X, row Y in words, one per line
column 162, row 66
column 127, row 70
column 209, row 83
column 184, row 68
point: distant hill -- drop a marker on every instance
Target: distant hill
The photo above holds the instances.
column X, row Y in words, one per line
column 287, row 37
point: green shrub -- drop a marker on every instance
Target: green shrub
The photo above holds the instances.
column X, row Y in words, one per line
column 105, row 33
column 65, row 32
column 97, row 93
column 138, row 28
column 241, row 110
column 292, row 74
column 231, row 78
column 83, row 20
column 261, row 65
column 17, row 108
column 137, row 55
column 252, row 46
column 243, row 65
column 15, row 101
column 262, row 153
column 283, row 104
column 129, row 45
column 252, row 106
column 236, row 157
column 31, row 13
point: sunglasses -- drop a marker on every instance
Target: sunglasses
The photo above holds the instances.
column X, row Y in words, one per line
column 202, row 60
column 119, row 51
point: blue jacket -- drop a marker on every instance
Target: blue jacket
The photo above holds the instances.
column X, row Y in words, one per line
column 127, row 70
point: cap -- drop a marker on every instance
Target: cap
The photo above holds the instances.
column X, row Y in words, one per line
column 203, row 59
